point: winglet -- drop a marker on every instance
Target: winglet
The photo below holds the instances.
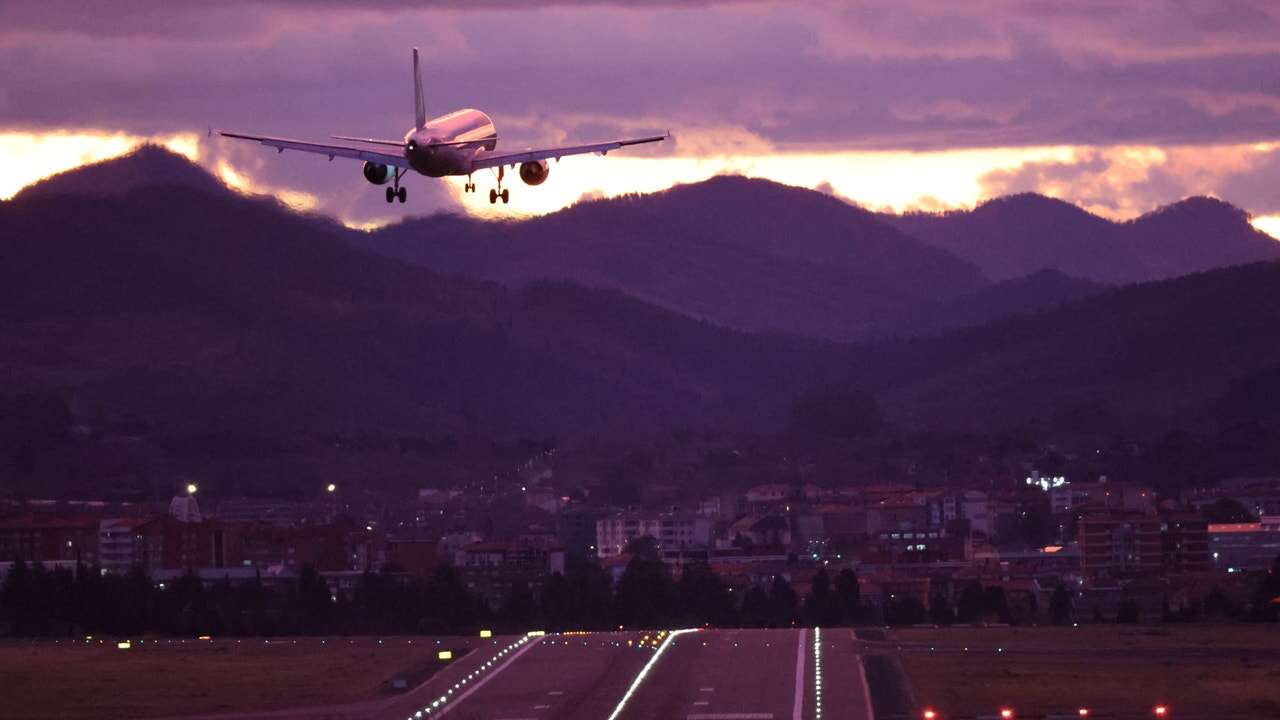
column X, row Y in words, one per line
column 419, row 104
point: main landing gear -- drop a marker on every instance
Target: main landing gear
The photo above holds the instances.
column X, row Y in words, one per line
column 499, row 193
column 396, row 192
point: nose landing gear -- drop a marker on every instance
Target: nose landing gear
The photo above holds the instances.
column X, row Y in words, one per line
column 395, row 192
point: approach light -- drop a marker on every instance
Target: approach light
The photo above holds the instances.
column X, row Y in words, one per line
column 1083, row 712
column 1161, row 711
column 930, row 715
column 1006, row 714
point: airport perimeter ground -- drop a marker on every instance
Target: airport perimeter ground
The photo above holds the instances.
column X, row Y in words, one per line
column 1227, row 671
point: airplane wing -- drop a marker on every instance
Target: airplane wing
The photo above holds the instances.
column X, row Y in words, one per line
column 343, row 151
column 494, row 159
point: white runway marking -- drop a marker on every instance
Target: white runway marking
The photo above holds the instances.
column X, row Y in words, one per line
column 645, row 670
column 730, row 716
column 444, row 709
column 866, row 689
column 797, row 709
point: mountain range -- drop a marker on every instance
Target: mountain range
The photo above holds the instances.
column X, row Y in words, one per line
column 1012, row 236
column 192, row 306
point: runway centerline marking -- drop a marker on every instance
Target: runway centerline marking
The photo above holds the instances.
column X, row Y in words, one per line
column 555, row 692
column 797, row 708
column 541, row 707
column 706, row 689
column 701, row 702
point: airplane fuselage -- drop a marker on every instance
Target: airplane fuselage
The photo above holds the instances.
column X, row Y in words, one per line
column 447, row 144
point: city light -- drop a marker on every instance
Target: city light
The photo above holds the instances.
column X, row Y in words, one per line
column 192, row 488
column 486, row 633
column 331, row 487
column 444, row 655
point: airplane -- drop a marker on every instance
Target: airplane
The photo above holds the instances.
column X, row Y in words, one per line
column 459, row 143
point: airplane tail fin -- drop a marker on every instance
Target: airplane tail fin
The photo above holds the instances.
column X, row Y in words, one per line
column 419, row 104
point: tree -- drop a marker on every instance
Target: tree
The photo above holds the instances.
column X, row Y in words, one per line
column 904, row 611
column 518, row 607
column 849, row 594
column 646, row 595
column 1060, row 606
column 704, row 598
column 311, row 604
column 822, row 606
column 1128, row 612
column 782, row 603
column 1266, row 596
column 972, row 603
column 996, row 603
column 940, row 612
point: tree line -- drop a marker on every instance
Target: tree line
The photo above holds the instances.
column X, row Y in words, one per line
column 35, row 601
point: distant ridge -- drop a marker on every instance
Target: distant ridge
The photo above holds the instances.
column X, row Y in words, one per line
column 144, row 166
column 1013, row 236
column 743, row 253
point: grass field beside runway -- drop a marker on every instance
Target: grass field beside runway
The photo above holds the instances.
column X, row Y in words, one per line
column 1216, row 670
column 162, row 678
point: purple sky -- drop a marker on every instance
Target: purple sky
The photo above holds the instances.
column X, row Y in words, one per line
column 1200, row 79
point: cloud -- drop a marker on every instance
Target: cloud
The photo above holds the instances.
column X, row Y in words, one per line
column 1121, row 182
column 864, row 75
column 793, row 90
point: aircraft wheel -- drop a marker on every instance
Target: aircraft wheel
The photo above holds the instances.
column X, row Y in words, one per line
column 506, row 195
column 493, row 196
column 403, row 194
column 391, row 194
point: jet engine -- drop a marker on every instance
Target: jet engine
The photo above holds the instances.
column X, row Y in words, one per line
column 534, row 173
column 377, row 174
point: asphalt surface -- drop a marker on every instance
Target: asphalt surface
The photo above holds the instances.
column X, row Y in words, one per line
column 702, row 675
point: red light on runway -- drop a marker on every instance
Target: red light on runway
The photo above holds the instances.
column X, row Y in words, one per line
column 1161, row 711
column 930, row 715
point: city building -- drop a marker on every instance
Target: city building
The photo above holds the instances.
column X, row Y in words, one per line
column 670, row 530
column 1120, row 543
column 41, row 538
column 1245, row 547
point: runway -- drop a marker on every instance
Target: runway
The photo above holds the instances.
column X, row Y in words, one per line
column 791, row 674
